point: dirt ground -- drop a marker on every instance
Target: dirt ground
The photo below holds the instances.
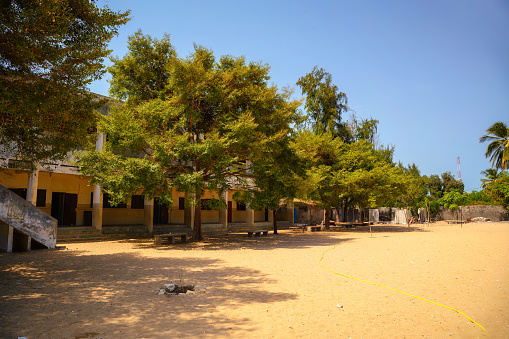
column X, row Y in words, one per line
column 269, row 287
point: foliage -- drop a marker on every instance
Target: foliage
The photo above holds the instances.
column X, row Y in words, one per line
column 363, row 129
column 498, row 190
column 491, row 175
column 453, row 199
column 50, row 52
column 343, row 174
column 498, row 148
column 209, row 123
column 324, row 103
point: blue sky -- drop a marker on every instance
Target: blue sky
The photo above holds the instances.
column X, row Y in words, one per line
column 435, row 73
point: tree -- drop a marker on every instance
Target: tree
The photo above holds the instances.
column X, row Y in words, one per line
column 498, row 148
column 324, row 103
column 498, row 190
column 491, row 174
column 202, row 131
column 363, row 129
column 50, row 52
column 449, row 183
column 277, row 173
column 343, row 174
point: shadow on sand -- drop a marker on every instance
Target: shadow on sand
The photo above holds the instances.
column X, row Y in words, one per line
column 76, row 294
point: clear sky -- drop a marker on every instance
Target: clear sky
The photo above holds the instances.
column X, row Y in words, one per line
column 435, row 73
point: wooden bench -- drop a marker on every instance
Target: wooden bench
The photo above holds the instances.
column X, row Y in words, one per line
column 257, row 233
column 299, row 227
column 171, row 237
column 344, row 224
column 314, row 228
column 455, row 221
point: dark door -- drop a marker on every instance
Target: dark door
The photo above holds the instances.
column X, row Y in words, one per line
column 70, row 205
column 230, row 211
column 266, row 214
column 160, row 212
column 63, row 208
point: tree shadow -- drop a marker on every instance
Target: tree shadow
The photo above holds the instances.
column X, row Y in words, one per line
column 380, row 229
column 240, row 241
column 55, row 294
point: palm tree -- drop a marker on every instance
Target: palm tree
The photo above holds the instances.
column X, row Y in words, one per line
column 498, row 149
column 491, row 175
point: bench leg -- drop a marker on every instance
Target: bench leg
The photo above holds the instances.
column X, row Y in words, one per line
column 250, row 234
column 157, row 240
column 183, row 238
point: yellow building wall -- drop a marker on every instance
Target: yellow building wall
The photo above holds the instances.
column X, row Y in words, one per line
column 259, row 216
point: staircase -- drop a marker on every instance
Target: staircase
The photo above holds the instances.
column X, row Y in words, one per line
column 22, row 221
column 67, row 234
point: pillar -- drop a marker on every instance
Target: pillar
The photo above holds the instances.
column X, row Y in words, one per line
column 271, row 216
column 24, row 241
column 97, row 208
column 223, row 212
column 33, row 184
column 6, row 237
column 249, row 216
column 289, row 211
column 149, row 215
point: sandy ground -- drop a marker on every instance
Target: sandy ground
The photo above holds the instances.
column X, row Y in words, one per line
column 270, row 287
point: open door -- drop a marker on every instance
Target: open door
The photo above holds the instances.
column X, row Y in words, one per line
column 63, row 208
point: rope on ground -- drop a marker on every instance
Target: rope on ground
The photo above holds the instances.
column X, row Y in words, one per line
column 393, row 289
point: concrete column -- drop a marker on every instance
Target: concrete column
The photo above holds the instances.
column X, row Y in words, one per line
column 97, row 206
column 25, row 242
column 6, row 237
column 99, row 143
column 249, row 216
column 97, row 209
column 149, row 215
column 271, row 216
column 33, row 184
column 223, row 213
column 289, row 211
column 189, row 214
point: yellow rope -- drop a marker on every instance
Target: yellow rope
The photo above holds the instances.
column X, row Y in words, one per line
column 392, row 289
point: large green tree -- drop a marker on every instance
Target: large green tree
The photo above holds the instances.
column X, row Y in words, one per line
column 50, row 51
column 277, row 173
column 498, row 148
column 202, row 129
column 325, row 103
column 345, row 174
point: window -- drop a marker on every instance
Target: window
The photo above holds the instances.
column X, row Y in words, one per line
column 241, row 206
column 106, row 202
column 182, row 203
column 137, row 202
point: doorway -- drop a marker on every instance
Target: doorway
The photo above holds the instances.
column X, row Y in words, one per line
column 63, row 208
column 230, row 211
column 160, row 213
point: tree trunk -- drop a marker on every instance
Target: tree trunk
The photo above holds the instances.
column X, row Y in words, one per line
column 197, row 235
column 327, row 219
column 274, row 222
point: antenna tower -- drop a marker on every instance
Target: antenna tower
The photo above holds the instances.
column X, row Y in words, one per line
column 459, row 170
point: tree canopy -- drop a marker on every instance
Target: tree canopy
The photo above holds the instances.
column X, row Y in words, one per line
column 324, row 103
column 345, row 174
column 49, row 52
column 210, row 120
column 498, row 148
